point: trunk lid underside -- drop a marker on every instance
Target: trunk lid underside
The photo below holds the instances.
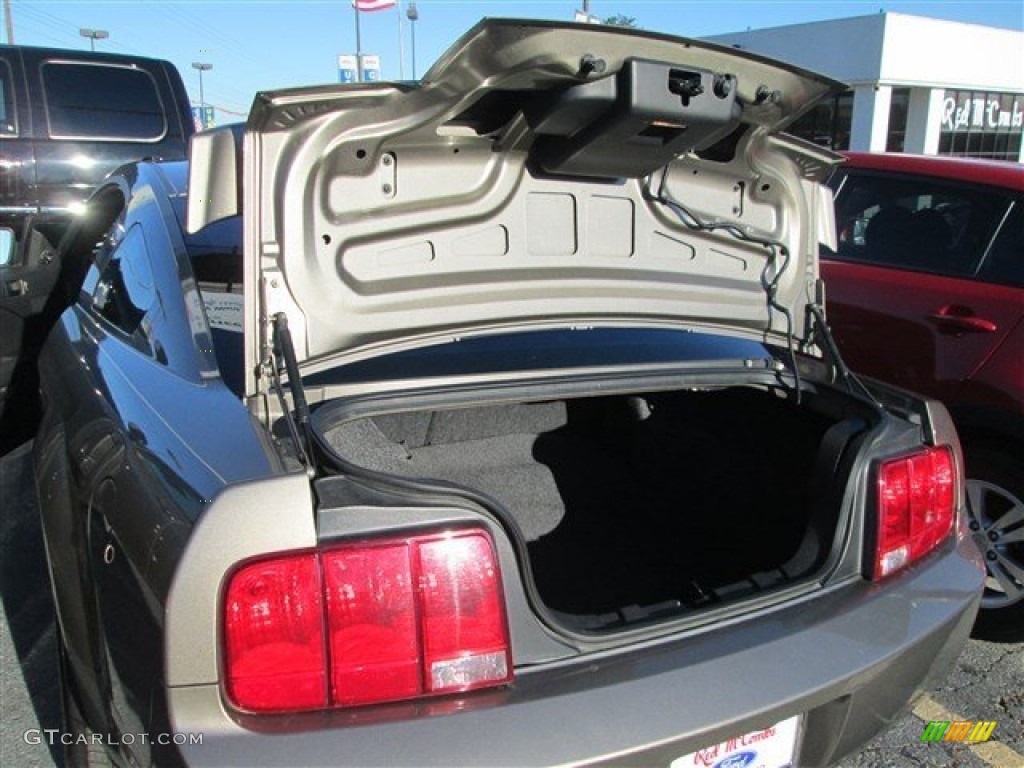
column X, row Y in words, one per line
column 534, row 178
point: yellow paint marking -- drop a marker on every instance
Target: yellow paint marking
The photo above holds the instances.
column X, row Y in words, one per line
column 929, row 709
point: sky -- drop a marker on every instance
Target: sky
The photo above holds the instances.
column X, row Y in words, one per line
column 258, row 45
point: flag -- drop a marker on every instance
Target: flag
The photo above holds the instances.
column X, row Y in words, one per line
column 373, row 5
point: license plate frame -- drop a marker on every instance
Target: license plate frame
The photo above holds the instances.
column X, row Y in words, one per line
column 771, row 747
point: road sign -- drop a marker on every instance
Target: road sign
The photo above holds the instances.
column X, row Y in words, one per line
column 347, row 68
column 371, row 68
column 203, row 117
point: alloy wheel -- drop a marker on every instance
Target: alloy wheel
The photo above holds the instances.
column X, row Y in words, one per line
column 997, row 521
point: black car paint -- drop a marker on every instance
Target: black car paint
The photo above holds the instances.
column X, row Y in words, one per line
column 121, row 486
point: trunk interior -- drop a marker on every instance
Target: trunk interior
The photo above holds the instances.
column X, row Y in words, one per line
column 641, row 506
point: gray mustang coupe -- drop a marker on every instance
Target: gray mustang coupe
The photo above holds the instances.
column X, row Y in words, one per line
column 489, row 420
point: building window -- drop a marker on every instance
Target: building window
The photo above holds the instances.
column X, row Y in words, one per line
column 980, row 124
column 898, row 107
column 828, row 124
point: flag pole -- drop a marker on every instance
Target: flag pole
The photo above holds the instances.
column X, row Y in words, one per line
column 359, row 46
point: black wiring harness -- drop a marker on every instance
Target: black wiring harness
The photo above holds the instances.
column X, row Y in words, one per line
column 776, row 248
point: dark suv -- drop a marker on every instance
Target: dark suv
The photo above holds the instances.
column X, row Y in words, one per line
column 67, row 118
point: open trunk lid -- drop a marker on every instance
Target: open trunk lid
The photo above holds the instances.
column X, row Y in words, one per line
column 541, row 174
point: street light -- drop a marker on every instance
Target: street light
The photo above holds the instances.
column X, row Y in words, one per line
column 94, row 35
column 413, row 15
column 202, row 66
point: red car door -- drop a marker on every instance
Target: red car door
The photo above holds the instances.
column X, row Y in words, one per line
column 905, row 296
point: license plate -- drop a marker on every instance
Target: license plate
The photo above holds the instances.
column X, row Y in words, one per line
column 767, row 748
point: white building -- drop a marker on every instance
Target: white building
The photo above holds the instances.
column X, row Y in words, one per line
column 918, row 85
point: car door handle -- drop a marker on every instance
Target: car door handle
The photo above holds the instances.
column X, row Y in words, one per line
column 17, row 288
column 958, row 319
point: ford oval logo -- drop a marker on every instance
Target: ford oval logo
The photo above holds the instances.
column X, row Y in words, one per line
column 739, row 760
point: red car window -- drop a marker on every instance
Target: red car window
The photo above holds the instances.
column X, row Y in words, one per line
column 920, row 224
column 1004, row 262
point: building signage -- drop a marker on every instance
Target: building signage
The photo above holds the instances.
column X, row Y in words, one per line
column 981, row 124
column 963, row 111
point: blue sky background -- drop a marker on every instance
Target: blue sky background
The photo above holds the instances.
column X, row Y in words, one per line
column 264, row 44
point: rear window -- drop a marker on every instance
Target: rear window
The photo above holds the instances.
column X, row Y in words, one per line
column 102, row 101
column 215, row 253
column 8, row 125
column 125, row 291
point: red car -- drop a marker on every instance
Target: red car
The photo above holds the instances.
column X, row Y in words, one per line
column 926, row 291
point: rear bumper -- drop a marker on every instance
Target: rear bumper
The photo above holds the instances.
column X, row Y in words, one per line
column 848, row 660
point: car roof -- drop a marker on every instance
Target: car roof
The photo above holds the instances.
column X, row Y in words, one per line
column 77, row 54
column 996, row 173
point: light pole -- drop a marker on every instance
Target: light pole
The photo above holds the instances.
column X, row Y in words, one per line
column 413, row 15
column 9, row 22
column 94, row 35
column 202, row 66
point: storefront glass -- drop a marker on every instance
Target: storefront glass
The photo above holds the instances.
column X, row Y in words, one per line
column 981, row 124
column 828, row 124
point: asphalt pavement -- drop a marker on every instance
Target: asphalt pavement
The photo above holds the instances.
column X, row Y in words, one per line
column 29, row 691
column 987, row 682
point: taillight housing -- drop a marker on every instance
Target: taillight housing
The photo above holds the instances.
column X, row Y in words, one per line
column 366, row 622
column 916, row 505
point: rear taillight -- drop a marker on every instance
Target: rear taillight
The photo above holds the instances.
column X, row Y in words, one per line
column 916, row 506
column 366, row 622
column 273, row 635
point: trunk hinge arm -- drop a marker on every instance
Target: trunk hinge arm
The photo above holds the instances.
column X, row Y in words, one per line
column 823, row 334
column 283, row 356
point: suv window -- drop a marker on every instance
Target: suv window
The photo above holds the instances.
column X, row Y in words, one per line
column 125, row 291
column 101, row 101
column 8, row 121
column 916, row 223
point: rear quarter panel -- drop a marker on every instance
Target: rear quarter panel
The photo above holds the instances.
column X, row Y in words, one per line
column 132, row 452
column 121, row 484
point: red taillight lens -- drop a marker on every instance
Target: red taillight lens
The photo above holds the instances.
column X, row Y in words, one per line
column 404, row 618
column 273, row 636
column 371, row 609
column 465, row 642
column 916, row 506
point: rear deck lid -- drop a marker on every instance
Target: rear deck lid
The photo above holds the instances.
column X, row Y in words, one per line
column 541, row 174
